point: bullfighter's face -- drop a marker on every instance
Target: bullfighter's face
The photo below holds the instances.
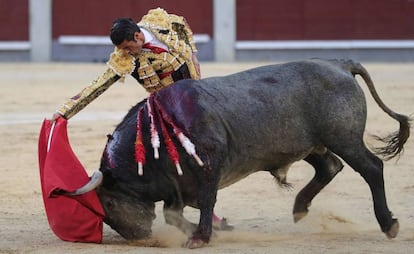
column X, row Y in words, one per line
column 133, row 47
column 126, row 214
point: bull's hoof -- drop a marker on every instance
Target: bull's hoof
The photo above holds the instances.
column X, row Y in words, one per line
column 298, row 216
column 393, row 232
column 300, row 209
column 222, row 225
column 193, row 243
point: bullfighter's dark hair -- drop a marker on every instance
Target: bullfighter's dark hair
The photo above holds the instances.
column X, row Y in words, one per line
column 123, row 29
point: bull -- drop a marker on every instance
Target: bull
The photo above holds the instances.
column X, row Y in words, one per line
column 263, row 119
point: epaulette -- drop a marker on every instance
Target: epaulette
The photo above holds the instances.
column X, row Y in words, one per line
column 156, row 19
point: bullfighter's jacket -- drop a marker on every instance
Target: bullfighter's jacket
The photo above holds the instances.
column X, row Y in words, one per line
column 153, row 70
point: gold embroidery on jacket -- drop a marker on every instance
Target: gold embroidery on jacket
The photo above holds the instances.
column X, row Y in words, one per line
column 170, row 29
column 176, row 34
column 81, row 100
column 121, row 63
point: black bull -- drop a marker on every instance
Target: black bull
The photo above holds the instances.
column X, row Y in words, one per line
column 263, row 119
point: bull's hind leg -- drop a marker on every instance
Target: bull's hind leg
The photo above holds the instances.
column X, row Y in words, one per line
column 370, row 168
column 326, row 166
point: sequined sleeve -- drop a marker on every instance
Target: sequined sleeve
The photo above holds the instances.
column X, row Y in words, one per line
column 87, row 95
column 119, row 64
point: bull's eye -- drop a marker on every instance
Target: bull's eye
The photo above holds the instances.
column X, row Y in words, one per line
column 109, row 204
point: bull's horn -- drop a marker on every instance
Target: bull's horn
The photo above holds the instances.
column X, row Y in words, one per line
column 95, row 181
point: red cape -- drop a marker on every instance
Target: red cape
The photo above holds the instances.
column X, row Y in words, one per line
column 75, row 218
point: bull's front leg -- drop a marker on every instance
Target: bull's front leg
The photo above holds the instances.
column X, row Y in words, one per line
column 174, row 216
column 206, row 201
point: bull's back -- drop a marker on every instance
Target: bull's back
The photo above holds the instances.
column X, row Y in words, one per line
column 264, row 118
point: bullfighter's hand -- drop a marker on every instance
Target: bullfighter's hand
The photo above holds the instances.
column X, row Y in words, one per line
column 55, row 116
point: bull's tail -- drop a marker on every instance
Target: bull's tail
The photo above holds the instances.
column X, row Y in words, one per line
column 395, row 141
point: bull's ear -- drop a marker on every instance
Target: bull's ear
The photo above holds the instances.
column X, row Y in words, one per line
column 108, row 180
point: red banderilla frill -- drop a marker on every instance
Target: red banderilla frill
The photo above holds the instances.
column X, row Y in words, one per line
column 172, row 150
column 155, row 139
column 139, row 146
column 154, row 106
column 184, row 140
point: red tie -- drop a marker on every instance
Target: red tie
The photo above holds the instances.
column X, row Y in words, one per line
column 154, row 49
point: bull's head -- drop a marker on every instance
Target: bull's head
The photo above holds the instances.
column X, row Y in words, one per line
column 126, row 212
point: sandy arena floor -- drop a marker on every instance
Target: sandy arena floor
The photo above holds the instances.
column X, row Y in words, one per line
column 341, row 218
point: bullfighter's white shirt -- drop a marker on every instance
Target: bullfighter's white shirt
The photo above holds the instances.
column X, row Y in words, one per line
column 150, row 38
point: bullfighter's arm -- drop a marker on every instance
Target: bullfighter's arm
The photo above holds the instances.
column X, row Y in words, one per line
column 185, row 33
column 119, row 66
column 87, row 95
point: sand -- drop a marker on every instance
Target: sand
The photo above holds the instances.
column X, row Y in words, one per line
column 341, row 218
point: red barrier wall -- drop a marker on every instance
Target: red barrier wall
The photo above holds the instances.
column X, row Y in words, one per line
column 256, row 20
